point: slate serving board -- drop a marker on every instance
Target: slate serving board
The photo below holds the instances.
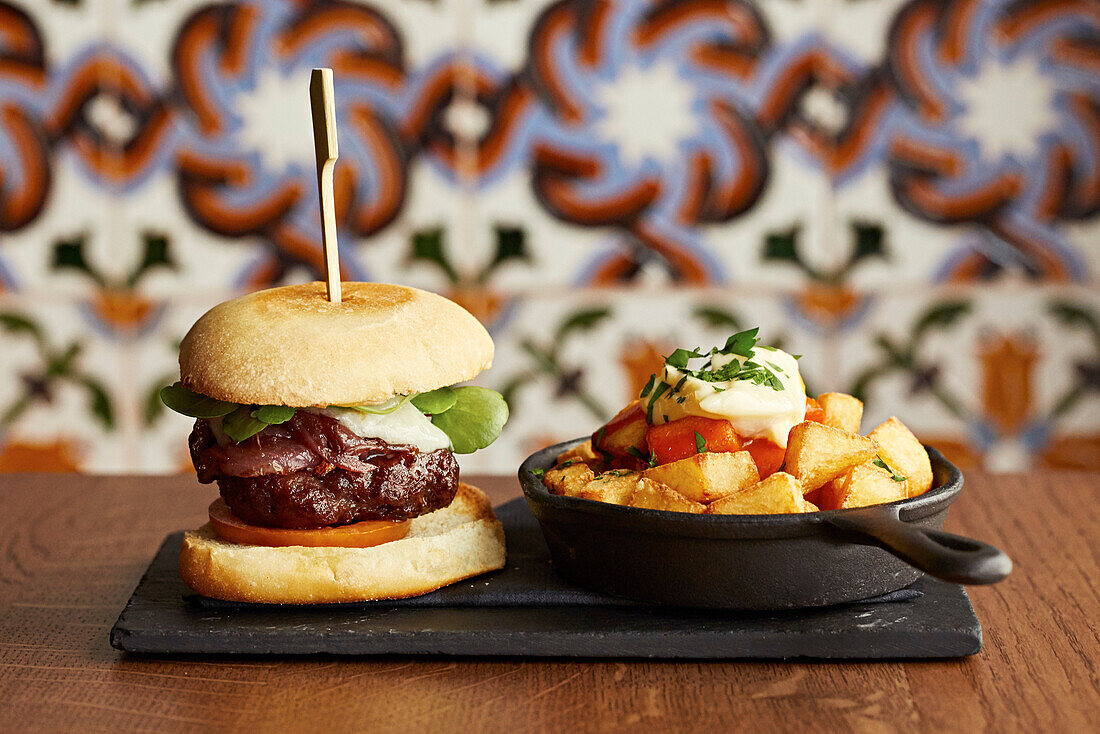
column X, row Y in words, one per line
column 528, row 610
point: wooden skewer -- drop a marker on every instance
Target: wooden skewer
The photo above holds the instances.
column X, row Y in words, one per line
column 323, row 105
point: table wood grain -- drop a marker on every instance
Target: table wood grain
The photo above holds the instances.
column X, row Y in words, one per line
column 73, row 549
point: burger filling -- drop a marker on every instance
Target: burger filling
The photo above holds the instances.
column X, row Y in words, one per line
column 289, row 467
column 313, row 471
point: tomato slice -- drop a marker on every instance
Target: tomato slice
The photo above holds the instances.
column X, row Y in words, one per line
column 675, row 440
column 814, row 411
column 358, row 535
column 623, row 433
column 768, row 456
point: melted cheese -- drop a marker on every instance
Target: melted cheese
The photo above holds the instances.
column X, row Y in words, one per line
column 755, row 411
column 404, row 425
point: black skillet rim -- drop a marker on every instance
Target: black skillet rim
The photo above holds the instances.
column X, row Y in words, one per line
column 664, row 522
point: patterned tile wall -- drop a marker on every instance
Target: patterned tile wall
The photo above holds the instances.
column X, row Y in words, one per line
column 905, row 192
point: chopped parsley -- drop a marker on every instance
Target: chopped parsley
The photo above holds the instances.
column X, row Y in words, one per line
column 640, row 456
column 541, row 473
column 679, row 358
column 883, row 465
column 658, row 391
column 700, row 443
column 758, row 374
column 742, row 343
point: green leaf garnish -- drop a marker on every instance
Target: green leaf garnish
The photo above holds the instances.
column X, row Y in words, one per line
column 539, row 472
column 238, row 421
column 436, row 401
column 475, row 420
column 273, row 414
column 180, row 399
column 883, row 465
column 648, row 387
column 472, row 417
column 700, row 443
column 240, row 425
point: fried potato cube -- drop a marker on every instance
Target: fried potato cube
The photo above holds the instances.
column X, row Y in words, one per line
column 614, row 487
column 863, row 485
column 899, row 448
column 624, row 432
column 656, row 496
column 817, row 453
column 568, row 477
column 841, row 411
column 582, row 452
column 622, row 487
column 708, row 476
column 779, row 494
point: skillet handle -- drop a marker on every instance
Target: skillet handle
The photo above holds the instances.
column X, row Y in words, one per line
column 946, row 556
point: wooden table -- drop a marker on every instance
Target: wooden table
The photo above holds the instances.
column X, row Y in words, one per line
column 74, row 547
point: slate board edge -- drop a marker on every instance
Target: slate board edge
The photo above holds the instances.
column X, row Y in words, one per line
column 895, row 646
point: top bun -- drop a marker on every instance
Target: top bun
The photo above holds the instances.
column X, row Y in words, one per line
column 292, row 346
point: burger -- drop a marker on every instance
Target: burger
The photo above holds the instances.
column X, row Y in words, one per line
column 330, row 430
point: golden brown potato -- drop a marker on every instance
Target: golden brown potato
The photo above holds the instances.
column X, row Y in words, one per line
column 708, row 476
column 656, row 496
column 817, row 453
column 614, row 487
column 841, row 411
column 582, row 452
column 623, row 435
column 568, row 477
column 623, row 487
column 904, row 453
column 866, row 484
column 779, row 494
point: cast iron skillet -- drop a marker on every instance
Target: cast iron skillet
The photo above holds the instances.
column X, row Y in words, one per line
column 758, row 561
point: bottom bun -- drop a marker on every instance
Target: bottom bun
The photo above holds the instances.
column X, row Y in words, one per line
column 461, row 540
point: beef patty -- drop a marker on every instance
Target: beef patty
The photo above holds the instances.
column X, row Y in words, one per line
column 313, row 472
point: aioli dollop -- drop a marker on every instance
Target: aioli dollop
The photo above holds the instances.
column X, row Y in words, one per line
column 405, row 425
column 754, row 410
